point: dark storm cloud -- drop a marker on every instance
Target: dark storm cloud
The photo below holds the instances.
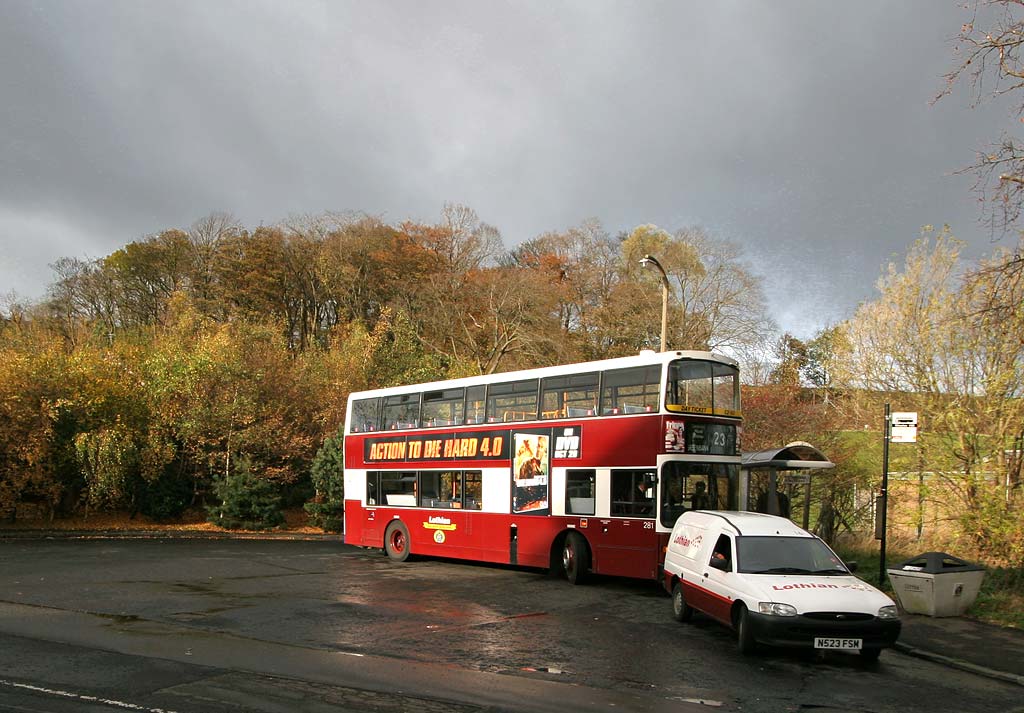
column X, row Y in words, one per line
column 800, row 130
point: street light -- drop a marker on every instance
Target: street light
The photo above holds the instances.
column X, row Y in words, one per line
column 646, row 261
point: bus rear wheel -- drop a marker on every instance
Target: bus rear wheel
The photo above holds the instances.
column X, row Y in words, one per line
column 396, row 542
column 575, row 558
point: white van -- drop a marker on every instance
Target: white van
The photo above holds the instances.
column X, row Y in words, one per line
column 774, row 583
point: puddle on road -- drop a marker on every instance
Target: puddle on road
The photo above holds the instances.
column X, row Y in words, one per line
column 120, row 618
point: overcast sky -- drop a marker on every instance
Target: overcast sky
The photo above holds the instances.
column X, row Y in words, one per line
column 800, row 130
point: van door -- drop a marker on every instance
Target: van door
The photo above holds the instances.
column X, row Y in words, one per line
column 719, row 585
column 690, row 547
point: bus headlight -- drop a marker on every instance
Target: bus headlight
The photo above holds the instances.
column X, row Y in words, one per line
column 889, row 612
column 776, row 609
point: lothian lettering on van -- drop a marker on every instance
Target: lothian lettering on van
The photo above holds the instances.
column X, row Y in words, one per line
column 815, row 585
column 684, row 541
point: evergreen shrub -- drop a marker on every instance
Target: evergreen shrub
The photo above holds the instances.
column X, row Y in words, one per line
column 247, row 501
column 327, row 509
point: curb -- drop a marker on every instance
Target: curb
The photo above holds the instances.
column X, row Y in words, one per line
column 959, row 664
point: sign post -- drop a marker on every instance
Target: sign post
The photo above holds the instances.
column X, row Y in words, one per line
column 900, row 427
column 882, row 503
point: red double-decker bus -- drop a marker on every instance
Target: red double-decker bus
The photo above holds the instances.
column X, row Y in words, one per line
column 583, row 467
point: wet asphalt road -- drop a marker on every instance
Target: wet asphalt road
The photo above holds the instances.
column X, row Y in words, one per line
column 244, row 625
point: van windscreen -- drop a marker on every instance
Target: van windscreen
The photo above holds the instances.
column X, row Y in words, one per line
column 786, row 555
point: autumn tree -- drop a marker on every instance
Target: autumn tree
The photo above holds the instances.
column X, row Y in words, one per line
column 988, row 58
column 716, row 303
column 29, row 369
column 580, row 268
column 479, row 316
column 354, row 264
column 791, row 406
column 189, row 357
column 146, row 273
column 933, row 338
column 81, row 300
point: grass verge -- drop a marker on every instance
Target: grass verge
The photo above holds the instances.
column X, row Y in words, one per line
column 1000, row 601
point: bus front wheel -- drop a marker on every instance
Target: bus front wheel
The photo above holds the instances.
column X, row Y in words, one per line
column 396, row 542
column 575, row 558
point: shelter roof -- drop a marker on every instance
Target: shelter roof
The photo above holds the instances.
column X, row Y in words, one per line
column 798, row 455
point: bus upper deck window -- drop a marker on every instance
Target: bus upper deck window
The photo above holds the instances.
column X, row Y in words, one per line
column 571, row 396
column 512, row 401
column 702, row 386
column 365, row 415
column 626, row 391
column 401, row 411
column 443, row 408
column 475, row 404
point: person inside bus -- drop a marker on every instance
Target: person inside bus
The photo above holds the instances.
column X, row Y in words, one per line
column 642, row 498
column 700, row 499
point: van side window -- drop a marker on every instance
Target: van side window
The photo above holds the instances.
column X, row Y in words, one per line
column 723, row 550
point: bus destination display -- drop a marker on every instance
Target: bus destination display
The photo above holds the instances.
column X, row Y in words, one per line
column 484, row 445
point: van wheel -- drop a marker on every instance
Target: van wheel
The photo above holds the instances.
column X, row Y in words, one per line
column 870, row 655
column 744, row 632
column 680, row 609
column 575, row 558
column 396, row 542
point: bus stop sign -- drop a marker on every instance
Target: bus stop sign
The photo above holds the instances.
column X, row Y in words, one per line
column 904, row 427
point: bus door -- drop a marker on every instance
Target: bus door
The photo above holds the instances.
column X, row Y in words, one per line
column 626, row 543
column 695, row 485
column 445, row 529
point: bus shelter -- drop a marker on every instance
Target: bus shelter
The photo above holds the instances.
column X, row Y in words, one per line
column 762, row 489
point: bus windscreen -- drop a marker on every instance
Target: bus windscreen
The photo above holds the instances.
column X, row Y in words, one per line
column 696, row 386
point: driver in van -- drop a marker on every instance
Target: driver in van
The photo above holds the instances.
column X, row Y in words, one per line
column 722, row 551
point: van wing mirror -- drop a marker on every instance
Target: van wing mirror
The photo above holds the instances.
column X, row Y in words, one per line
column 852, row 566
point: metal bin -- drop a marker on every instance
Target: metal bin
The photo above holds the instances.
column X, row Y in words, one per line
column 936, row 584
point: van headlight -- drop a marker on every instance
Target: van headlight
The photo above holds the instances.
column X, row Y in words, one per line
column 889, row 612
column 776, row 609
